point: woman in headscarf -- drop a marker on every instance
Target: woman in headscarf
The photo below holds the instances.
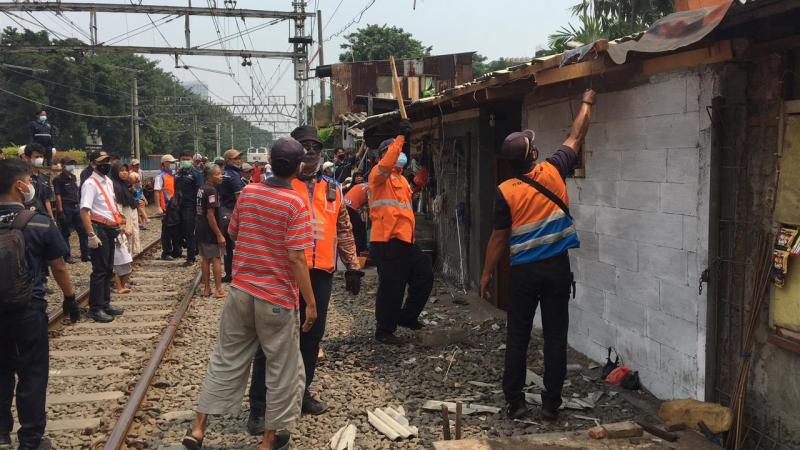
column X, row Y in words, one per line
column 127, row 204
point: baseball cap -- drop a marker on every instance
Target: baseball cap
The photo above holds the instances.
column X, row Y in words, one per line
column 197, row 157
column 168, row 158
column 515, row 146
column 289, row 150
column 102, row 159
column 231, row 153
column 135, row 162
column 67, row 160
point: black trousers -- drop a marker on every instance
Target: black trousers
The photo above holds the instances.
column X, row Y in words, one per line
column 399, row 264
column 24, row 367
column 102, row 268
column 545, row 283
column 359, row 230
column 72, row 221
column 321, row 283
column 187, row 232
column 170, row 242
column 228, row 259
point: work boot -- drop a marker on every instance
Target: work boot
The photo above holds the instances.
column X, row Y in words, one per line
column 517, row 409
column 255, row 422
column 113, row 310
column 282, row 439
column 5, row 441
column 44, row 444
column 72, row 310
column 549, row 415
column 411, row 324
column 100, row 316
column 313, row 406
column 388, row 339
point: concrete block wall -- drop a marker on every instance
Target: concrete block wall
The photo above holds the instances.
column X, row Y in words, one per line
column 642, row 216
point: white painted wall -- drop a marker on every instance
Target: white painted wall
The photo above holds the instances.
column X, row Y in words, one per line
column 642, row 215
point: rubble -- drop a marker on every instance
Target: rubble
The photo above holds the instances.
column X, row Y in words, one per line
column 621, row 430
column 345, row 438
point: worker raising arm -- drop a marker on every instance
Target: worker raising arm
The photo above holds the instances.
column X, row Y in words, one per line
column 532, row 220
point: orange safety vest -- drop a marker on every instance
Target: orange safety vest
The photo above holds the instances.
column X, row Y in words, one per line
column 390, row 207
column 324, row 216
column 168, row 191
column 356, row 197
column 539, row 228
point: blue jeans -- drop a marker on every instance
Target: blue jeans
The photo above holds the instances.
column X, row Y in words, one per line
column 24, row 354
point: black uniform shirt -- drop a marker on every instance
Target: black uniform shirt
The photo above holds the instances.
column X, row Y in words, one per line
column 188, row 182
column 231, row 185
column 207, row 198
column 66, row 185
column 44, row 192
column 43, row 243
column 86, row 173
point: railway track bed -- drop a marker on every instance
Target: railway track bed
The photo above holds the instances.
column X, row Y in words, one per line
column 94, row 367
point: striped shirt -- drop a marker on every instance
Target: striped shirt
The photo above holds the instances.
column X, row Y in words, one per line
column 270, row 219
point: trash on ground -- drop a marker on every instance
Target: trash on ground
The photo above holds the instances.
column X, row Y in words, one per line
column 466, row 409
column 345, row 438
column 392, row 422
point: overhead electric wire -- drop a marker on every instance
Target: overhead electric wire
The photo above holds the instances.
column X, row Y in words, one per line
column 328, row 22
column 96, row 116
column 88, row 91
column 353, row 21
column 139, row 30
column 72, row 25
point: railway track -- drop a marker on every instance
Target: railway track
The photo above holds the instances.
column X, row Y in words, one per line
column 100, row 373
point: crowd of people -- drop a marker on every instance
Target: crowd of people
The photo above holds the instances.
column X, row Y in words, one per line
column 276, row 234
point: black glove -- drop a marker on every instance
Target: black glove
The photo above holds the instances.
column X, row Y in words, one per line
column 71, row 308
column 404, row 127
column 352, row 281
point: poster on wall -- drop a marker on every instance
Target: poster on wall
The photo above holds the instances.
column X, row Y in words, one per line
column 784, row 247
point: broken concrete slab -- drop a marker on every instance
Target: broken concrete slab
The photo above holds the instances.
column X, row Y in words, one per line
column 717, row 418
column 442, row 337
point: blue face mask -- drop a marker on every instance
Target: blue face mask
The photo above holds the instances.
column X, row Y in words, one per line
column 402, row 160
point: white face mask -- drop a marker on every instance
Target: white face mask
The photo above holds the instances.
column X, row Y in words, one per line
column 70, row 168
column 38, row 162
column 28, row 196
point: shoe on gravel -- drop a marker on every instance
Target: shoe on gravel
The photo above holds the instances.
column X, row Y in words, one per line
column 388, row 339
column 549, row 415
column 226, row 279
column 255, row 423
column 190, row 442
column 5, row 441
column 411, row 324
column 189, row 263
column 312, row 406
column 44, row 444
column 113, row 310
column 167, row 257
column 100, row 316
column 517, row 409
column 85, row 259
column 71, row 310
column 70, row 260
column 282, row 439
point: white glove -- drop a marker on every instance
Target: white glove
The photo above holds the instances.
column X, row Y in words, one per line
column 94, row 242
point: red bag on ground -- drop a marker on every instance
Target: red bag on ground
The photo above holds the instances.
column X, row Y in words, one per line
column 617, row 375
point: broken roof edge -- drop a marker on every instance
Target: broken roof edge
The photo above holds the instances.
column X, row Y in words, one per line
column 709, row 19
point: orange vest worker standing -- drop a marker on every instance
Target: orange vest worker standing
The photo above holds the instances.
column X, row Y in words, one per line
column 533, row 223
column 400, row 262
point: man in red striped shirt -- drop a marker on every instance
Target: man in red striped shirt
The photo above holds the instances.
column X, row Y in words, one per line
column 271, row 227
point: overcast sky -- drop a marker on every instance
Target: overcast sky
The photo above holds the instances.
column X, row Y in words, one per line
column 494, row 28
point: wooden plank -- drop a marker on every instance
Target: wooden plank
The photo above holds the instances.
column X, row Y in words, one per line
column 716, row 53
column 64, row 373
column 792, row 107
column 786, row 344
column 574, row 71
column 84, row 397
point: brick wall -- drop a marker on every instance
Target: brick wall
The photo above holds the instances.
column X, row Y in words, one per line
column 642, row 216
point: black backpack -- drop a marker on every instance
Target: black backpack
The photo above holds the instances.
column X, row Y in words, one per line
column 16, row 279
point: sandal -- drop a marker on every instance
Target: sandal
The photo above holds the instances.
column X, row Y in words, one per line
column 122, row 291
column 190, row 442
column 219, row 294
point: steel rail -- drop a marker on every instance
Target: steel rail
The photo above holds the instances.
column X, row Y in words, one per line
column 83, row 296
column 119, row 433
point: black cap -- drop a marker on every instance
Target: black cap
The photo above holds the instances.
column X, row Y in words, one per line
column 93, row 155
column 515, row 146
column 306, row 133
column 288, row 150
column 66, row 160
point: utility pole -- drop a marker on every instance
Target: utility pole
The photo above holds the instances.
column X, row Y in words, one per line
column 232, row 146
column 300, row 41
column 322, row 96
column 196, row 143
column 136, row 145
column 219, row 125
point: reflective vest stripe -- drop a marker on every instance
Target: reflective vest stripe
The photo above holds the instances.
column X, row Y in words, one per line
column 397, row 203
column 324, row 217
column 533, row 226
column 546, row 251
column 542, row 240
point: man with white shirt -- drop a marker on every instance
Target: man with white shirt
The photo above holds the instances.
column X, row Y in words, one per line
column 102, row 221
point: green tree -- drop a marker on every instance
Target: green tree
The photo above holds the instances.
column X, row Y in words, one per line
column 377, row 42
column 480, row 67
column 607, row 19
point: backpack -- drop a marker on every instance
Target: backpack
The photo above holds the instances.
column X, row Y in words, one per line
column 16, row 279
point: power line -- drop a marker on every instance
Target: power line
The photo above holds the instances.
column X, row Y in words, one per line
column 14, row 94
column 332, row 14
column 96, row 91
column 352, row 22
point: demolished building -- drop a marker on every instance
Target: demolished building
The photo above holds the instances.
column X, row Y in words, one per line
column 688, row 166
